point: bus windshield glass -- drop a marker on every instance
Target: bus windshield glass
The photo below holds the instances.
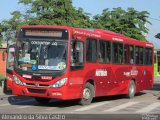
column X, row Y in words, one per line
column 40, row 55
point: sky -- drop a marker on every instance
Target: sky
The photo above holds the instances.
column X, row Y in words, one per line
column 97, row 6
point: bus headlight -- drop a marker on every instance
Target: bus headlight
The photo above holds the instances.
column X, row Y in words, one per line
column 17, row 80
column 60, row 83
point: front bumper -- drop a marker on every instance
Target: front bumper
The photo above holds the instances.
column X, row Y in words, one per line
column 58, row 93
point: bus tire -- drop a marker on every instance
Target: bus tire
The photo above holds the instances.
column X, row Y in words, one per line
column 42, row 100
column 88, row 94
column 131, row 89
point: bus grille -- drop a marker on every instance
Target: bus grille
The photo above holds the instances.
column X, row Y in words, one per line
column 41, row 91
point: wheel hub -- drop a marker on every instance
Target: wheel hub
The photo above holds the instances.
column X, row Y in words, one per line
column 132, row 89
column 86, row 94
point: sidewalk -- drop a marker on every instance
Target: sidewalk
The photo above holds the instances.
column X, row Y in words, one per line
column 157, row 79
column 1, row 88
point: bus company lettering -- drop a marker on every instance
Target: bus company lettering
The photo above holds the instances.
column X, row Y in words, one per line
column 133, row 72
column 87, row 34
column 117, row 39
column 127, row 74
column 101, row 72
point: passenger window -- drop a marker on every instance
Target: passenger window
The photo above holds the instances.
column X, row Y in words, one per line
column 128, row 54
column 104, row 51
column 91, row 50
column 117, row 53
column 148, row 56
column 139, row 53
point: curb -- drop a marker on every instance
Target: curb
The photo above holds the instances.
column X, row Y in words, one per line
column 157, row 79
column 1, row 87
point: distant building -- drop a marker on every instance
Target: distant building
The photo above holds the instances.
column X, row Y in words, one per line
column 3, row 59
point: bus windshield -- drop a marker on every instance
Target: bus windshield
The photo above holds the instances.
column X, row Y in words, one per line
column 38, row 55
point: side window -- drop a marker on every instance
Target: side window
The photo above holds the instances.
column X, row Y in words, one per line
column 117, row 53
column 108, row 48
column 104, row 51
column 91, row 50
column 148, row 56
column 77, row 54
column 128, row 54
column 139, row 55
column 131, row 58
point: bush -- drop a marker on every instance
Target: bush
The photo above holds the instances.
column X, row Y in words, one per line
column 2, row 78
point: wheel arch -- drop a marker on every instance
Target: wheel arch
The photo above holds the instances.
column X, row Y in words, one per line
column 91, row 81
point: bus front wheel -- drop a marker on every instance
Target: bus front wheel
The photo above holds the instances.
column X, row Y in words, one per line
column 131, row 89
column 88, row 94
column 42, row 100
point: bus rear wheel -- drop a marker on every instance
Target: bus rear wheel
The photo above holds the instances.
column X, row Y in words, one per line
column 42, row 100
column 88, row 94
column 131, row 89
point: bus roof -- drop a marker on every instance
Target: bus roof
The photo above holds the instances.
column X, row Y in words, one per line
column 97, row 33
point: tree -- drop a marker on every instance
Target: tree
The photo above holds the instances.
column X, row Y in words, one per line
column 45, row 12
column 1, row 36
column 157, row 36
column 61, row 12
column 55, row 12
column 130, row 23
column 11, row 26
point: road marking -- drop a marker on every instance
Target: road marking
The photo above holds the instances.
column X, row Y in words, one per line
column 92, row 106
column 4, row 104
column 119, row 107
column 149, row 108
column 48, row 109
column 20, row 102
column 25, row 106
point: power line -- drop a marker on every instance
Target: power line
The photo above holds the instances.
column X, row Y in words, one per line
column 154, row 19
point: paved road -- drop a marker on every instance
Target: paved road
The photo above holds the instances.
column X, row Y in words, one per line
column 146, row 102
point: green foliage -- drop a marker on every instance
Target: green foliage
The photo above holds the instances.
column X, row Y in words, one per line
column 55, row 12
column 157, row 36
column 130, row 23
column 2, row 77
column 1, row 38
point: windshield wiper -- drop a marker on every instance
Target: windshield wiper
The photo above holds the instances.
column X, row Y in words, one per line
column 51, row 43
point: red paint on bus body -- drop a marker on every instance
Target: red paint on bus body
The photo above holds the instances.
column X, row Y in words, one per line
column 114, row 81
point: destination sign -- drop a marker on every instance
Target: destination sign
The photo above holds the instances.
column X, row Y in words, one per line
column 43, row 33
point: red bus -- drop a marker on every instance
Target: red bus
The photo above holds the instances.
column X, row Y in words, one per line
column 9, row 66
column 72, row 63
